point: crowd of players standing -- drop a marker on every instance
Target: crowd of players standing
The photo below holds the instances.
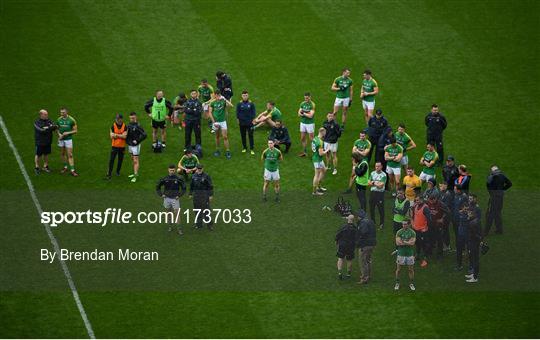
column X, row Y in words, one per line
column 421, row 218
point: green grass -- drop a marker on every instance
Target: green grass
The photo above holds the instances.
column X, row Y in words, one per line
column 274, row 277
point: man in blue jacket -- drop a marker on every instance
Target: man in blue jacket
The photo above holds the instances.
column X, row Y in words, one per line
column 245, row 113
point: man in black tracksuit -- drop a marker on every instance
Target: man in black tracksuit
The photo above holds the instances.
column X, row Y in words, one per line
column 43, row 134
column 450, row 173
column 202, row 191
column 224, row 84
column 376, row 126
column 280, row 136
column 384, row 140
column 245, row 113
column 118, row 134
column 193, row 110
column 474, row 239
column 436, row 123
column 497, row 183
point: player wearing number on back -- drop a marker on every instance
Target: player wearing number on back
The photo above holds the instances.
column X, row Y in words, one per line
column 428, row 161
column 306, row 112
column 271, row 157
column 343, row 86
column 370, row 89
column 317, row 146
column 67, row 127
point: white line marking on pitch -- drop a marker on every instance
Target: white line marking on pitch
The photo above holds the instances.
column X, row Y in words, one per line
column 53, row 240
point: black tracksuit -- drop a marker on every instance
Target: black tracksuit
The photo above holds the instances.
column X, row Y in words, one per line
column 497, row 183
column 436, row 123
column 384, row 140
column 281, row 135
column 193, row 110
column 333, row 131
column 116, row 151
column 201, row 189
column 473, row 240
column 135, row 134
column 43, row 135
column 450, row 174
column 224, row 84
column 245, row 113
column 346, row 241
column 173, row 186
column 376, row 127
column 359, row 171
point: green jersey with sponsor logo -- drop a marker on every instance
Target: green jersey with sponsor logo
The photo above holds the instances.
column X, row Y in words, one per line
column 403, row 139
column 362, row 144
column 405, row 235
column 430, row 156
column 316, row 144
column 393, row 151
column 271, row 159
column 344, row 84
column 369, row 86
column 306, row 108
column 218, row 110
column 66, row 125
column 189, row 162
column 205, row 92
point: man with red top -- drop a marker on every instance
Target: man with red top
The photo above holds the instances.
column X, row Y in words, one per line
column 464, row 179
column 439, row 213
column 421, row 219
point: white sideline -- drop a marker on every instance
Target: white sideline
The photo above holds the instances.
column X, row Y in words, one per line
column 53, row 240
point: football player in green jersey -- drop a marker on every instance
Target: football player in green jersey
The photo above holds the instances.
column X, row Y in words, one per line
column 306, row 112
column 67, row 127
column 206, row 91
column 361, row 146
column 268, row 116
column 271, row 157
column 405, row 241
column 218, row 114
column 370, row 89
column 406, row 143
column 428, row 161
column 317, row 146
column 187, row 164
column 343, row 86
column 393, row 153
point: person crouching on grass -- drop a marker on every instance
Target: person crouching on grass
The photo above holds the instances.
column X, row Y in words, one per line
column 405, row 241
column 317, row 147
column 118, row 136
column 174, row 187
column 187, row 164
column 271, row 157
column 345, row 243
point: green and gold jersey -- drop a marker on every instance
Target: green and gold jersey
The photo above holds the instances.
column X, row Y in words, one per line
column 271, row 159
column 316, row 144
column 405, row 235
column 404, row 140
column 205, row 92
column 344, row 84
column 218, row 109
column 306, row 107
column 189, row 162
column 362, row 144
column 275, row 114
column 394, row 150
column 430, row 156
column 66, row 125
column 369, row 86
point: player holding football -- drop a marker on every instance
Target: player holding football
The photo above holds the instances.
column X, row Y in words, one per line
column 317, row 146
column 306, row 112
column 428, row 161
column 218, row 115
column 67, row 127
column 370, row 89
column 343, row 86
column 271, row 157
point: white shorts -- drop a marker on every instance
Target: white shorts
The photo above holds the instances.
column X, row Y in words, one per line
column 331, row 146
column 65, row 143
column 307, row 128
column 405, row 260
column 271, row 175
column 425, row 177
column 220, row 125
column 345, row 102
column 205, row 107
column 134, row 150
column 404, row 160
column 368, row 105
column 393, row 171
column 171, row 203
column 318, row 165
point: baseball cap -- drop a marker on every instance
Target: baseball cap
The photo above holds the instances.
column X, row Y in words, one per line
column 450, row 158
